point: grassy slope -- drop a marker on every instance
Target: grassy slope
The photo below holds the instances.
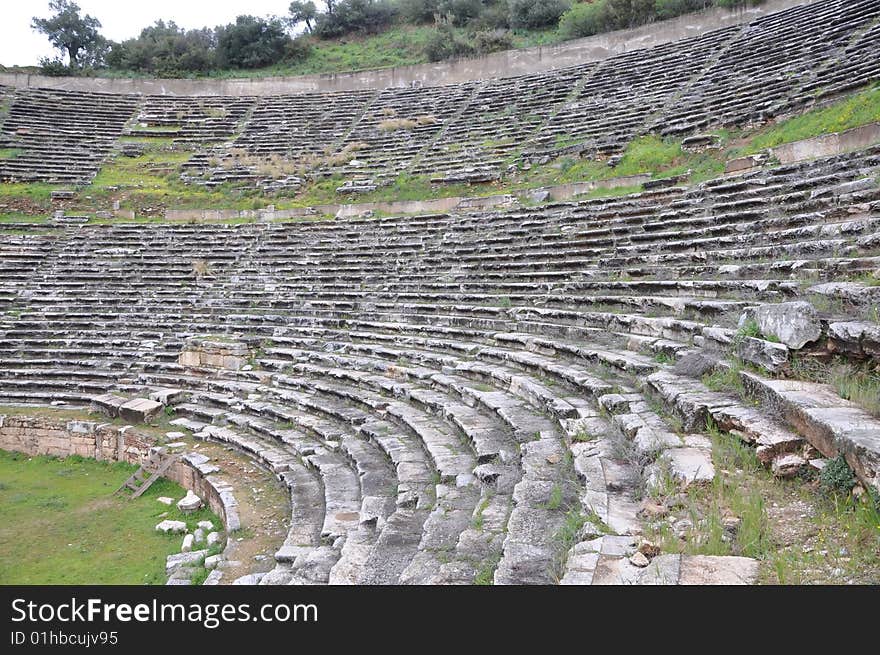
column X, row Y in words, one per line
column 60, row 524
column 401, row 45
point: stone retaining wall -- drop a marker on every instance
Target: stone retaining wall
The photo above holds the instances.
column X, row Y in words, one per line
column 33, row 435
column 502, row 64
column 827, row 145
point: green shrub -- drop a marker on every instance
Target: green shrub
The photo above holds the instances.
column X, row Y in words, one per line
column 444, row 44
column 535, row 14
column 489, row 41
column 837, row 477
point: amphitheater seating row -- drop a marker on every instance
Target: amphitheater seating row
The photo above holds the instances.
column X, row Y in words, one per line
column 439, row 392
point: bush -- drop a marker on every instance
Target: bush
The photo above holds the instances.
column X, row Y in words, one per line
column 356, row 16
column 535, row 14
column 494, row 17
column 419, row 12
column 489, row 41
column 837, row 477
column 460, row 12
column 54, row 67
column 585, row 20
column 297, row 49
column 444, row 44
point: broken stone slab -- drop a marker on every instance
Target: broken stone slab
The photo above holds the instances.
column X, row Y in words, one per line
column 717, row 570
column 189, row 503
column 855, row 338
column 174, row 527
column 690, row 465
column 701, row 142
column 213, row 578
column 249, row 579
column 795, row 323
column 832, row 425
column 213, row 561
column 139, row 410
column 787, row 466
column 766, row 354
column 169, row 396
column 165, row 500
column 178, row 560
column 187, row 544
column 205, row 525
column 213, row 538
column 741, row 164
column 108, row 404
column 357, row 186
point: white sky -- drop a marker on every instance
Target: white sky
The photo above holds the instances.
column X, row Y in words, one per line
column 120, row 19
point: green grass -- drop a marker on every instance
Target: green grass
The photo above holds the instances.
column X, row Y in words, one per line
column 22, row 218
column 60, row 523
column 32, row 191
column 860, row 387
column 486, row 572
column 726, row 379
column 565, row 538
column 649, row 154
column 555, row 500
column 9, row 153
column 859, row 109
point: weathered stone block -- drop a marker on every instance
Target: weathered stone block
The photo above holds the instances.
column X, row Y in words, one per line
column 139, row 410
column 108, row 404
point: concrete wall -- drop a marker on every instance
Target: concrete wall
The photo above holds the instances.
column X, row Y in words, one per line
column 502, row 64
column 33, row 435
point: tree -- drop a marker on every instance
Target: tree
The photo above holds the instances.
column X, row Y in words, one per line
column 165, row 49
column 251, row 42
column 362, row 16
column 303, row 12
column 72, row 34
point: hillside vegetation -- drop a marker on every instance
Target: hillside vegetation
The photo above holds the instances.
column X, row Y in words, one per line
column 341, row 35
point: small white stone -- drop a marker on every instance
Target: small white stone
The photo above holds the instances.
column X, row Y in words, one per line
column 187, row 544
column 175, row 436
column 199, row 535
column 213, row 561
column 165, row 500
column 213, row 538
column 205, row 525
column 639, row 560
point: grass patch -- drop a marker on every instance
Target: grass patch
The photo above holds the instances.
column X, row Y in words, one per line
column 649, row 154
column 486, row 572
column 855, row 111
column 60, row 523
column 726, row 379
column 9, row 153
column 565, row 538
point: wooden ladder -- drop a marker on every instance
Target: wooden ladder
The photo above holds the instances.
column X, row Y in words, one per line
column 148, row 472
